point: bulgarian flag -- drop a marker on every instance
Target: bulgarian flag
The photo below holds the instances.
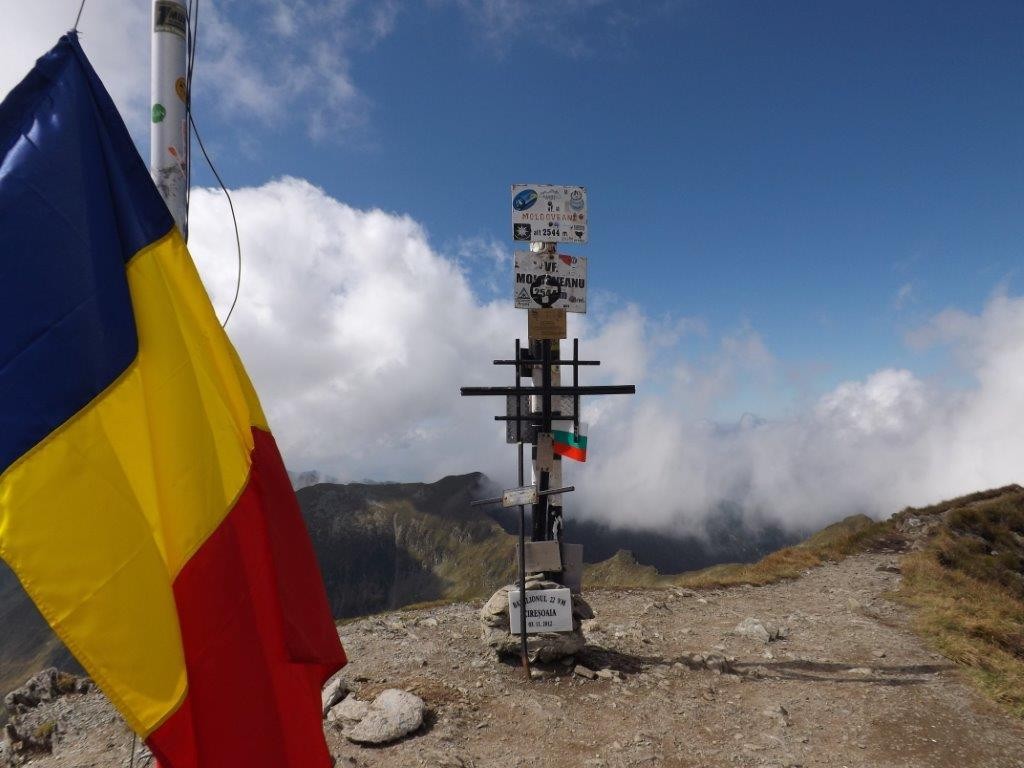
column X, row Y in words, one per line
column 570, row 445
column 143, row 503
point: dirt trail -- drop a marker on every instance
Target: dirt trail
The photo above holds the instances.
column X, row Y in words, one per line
column 858, row 689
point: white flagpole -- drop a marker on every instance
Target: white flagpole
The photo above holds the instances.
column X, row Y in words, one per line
column 168, row 147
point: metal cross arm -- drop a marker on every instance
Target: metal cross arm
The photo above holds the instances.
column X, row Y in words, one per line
column 532, row 361
column 600, row 389
column 535, row 418
column 528, row 494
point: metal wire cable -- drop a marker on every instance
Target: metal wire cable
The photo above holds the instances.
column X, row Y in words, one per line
column 192, row 21
column 78, row 18
column 234, row 219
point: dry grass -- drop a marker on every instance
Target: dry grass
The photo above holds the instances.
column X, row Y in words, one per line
column 967, row 588
column 44, row 732
column 851, row 535
column 974, row 622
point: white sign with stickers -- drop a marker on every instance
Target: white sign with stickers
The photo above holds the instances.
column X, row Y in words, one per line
column 550, row 281
column 549, row 213
column 547, row 610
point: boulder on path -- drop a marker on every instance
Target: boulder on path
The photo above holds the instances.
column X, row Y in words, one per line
column 350, row 710
column 763, row 631
column 336, row 690
column 541, row 646
column 586, row 672
column 392, row 715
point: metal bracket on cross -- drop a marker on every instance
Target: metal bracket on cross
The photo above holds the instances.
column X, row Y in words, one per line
column 542, row 420
column 517, row 497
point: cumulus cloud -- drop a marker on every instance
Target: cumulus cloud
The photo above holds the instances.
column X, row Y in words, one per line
column 358, row 333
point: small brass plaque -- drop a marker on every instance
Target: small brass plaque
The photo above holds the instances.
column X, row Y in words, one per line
column 546, row 324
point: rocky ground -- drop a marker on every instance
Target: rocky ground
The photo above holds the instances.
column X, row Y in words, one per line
column 673, row 684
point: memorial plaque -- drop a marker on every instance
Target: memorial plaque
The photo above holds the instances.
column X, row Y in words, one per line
column 547, row 610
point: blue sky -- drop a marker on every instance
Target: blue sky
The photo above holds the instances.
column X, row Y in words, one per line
column 793, row 166
column 811, row 212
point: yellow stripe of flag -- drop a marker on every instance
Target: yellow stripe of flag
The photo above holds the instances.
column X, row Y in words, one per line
column 152, row 501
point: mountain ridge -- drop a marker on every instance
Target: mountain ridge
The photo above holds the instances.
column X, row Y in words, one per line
column 382, row 546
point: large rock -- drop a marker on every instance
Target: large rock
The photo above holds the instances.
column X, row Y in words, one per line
column 335, row 690
column 542, row 646
column 762, row 631
column 391, row 716
column 349, row 711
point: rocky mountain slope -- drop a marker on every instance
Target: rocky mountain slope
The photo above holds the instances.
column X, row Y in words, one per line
column 665, row 680
column 382, row 546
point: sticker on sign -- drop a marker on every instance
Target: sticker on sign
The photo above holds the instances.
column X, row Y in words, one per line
column 549, row 213
column 550, row 281
column 547, row 610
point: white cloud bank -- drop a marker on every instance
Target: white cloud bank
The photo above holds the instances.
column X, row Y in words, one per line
column 358, row 335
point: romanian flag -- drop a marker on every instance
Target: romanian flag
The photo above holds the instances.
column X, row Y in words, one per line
column 143, row 503
column 569, row 444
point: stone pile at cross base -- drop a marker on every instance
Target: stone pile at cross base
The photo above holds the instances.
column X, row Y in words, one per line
column 541, row 646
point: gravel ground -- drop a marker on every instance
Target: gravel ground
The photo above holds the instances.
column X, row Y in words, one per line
column 849, row 686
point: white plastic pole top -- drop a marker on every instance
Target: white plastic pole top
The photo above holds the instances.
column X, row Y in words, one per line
column 168, row 136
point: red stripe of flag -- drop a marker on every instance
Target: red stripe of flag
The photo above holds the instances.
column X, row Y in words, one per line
column 570, row 452
column 259, row 641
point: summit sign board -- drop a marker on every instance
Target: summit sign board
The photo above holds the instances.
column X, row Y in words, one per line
column 550, row 281
column 549, row 213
